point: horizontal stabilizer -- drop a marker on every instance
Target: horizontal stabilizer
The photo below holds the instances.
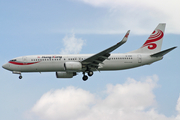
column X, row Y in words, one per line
column 162, row 53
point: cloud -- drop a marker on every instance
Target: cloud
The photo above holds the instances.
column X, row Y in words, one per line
column 131, row 100
column 178, row 109
column 138, row 15
column 72, row 44
column 63, row 104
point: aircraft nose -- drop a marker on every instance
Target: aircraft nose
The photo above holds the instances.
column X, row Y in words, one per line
column 5, row 66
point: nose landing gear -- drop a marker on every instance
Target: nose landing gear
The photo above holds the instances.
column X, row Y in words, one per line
column 17, row 72
column 20, row 77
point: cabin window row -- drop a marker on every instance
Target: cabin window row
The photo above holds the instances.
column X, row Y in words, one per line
column 56, row 59
column 44, row 59
column 118, row 58
column 71, row 59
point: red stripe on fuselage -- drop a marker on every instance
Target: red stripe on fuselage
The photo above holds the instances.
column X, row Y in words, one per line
column 19, row 63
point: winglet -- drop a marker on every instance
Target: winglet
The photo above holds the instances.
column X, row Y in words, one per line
column 125, row 37
column 127, row 34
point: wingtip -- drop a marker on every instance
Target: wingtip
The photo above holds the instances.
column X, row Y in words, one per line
column 127, row 34
column 128, row 31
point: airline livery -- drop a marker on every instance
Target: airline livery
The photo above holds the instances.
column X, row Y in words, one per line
column 67, row 66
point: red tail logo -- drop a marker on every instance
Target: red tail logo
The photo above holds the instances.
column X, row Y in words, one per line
column 155, row 36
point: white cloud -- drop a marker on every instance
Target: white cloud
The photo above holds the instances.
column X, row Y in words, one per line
column 138, row 15
column 178, row 109
column 131, row 100
column 63, row 104
column 72, row 44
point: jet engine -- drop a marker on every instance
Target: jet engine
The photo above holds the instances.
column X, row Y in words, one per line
column 65, row 74
column 72, row 66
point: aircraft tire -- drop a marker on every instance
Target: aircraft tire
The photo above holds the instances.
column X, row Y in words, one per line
column 85, row 77
column 90, row 73
column 20, row 77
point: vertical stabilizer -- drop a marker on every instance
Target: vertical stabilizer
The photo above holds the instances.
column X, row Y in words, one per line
column 154, row 42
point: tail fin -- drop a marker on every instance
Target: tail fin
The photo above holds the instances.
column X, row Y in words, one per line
column 154, row 42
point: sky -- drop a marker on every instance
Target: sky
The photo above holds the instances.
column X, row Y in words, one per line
column 34, row 27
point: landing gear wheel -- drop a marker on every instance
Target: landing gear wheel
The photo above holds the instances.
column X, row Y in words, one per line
column 90, row 73
column 85, row 77
column 20, row 77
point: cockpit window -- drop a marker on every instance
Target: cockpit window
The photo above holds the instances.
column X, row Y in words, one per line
column 13, row 60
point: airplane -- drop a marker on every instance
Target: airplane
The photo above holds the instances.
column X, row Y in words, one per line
column 67, row 66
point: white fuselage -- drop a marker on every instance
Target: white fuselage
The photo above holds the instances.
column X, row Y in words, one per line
column 67, row 66
column 53, row 63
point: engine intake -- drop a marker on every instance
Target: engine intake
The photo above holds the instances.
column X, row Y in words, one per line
column 65, row 74
column 72, row 66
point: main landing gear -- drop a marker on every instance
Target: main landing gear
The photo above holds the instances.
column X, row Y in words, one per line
column 85, row 77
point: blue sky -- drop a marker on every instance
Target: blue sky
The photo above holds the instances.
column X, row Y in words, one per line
column 44, row 27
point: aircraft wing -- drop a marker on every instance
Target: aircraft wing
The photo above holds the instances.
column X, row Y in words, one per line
column 93, row 61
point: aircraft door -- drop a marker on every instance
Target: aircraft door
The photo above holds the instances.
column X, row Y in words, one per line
column 139, row 59
column 24, row 60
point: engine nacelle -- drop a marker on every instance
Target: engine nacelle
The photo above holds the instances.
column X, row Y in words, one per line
column 65, row 74
column 72, row 66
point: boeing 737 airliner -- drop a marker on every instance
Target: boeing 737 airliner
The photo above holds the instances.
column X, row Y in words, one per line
column 67, row 66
